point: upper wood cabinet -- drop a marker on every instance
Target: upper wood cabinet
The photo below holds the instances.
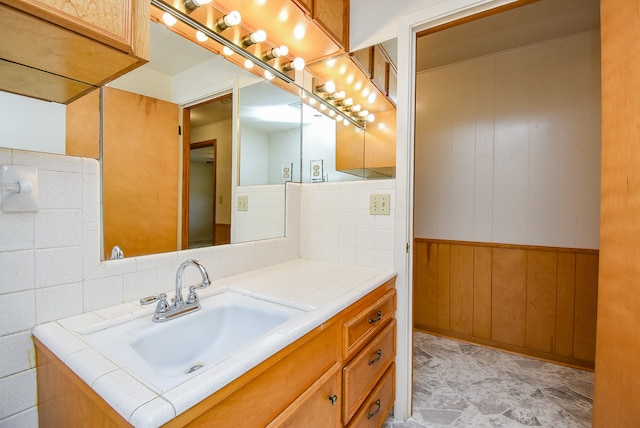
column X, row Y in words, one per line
column 330, row 15
column 57, row 50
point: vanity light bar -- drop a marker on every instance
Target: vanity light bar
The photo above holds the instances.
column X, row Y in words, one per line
column 336, row 110
column 179, row 15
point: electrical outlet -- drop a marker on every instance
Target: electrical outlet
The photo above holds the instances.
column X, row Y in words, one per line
column 243, row 203
column 379, row 204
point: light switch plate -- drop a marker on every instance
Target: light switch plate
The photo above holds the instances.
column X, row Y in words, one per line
column 379, row 204
column 243, row 203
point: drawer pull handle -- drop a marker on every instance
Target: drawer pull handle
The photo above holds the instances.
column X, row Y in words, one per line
column 375, row 412
column 333, row 399
column 376, row 319
column 377, row 358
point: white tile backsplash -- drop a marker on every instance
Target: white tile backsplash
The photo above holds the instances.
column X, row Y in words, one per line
column 16, row 232
column 17, row 269
column 58, row 266
column 16, row 353
column 60, row 301
column 17, row 393
column 18, row 312
column 336, row 224
column 50, row 269
column 58, row 228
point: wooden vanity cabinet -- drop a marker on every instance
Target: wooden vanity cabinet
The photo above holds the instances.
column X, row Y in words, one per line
column 340, row 374
column 58, row 50
column 369, row 350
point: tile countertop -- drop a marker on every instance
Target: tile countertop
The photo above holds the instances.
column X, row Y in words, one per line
column 322, row 289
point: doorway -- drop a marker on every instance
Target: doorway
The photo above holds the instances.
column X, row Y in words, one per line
column 506, row 182
column 206, row 173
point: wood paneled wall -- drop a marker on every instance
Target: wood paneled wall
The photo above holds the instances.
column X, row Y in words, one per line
column 537, row 301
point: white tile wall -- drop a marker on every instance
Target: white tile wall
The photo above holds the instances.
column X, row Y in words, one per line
column 336, row 225
column 50, row 269
column 508, row 147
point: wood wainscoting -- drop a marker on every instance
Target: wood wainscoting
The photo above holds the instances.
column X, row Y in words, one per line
column 537, row 301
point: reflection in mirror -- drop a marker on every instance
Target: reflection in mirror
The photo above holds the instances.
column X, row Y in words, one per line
column 270, row 135
column 144, row 190
column 206, row 220
column 322, row 155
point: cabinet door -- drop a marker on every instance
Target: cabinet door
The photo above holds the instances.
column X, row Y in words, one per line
column 333, row 16
column 380, row 69
column 140, row 185
column 117, row 23
column 319, row 406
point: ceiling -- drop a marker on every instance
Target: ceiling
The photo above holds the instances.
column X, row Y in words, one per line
column 523, row 26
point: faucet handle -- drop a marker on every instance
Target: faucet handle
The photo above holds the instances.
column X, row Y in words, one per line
column 161, row 307
column 193, row 296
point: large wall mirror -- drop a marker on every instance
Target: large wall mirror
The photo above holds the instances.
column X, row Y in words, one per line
column 195, row 149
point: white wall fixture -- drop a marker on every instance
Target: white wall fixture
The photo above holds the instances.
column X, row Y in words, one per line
column 19, row 188
column 317, row 173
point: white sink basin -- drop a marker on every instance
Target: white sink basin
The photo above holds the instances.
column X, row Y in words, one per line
column 165, row 354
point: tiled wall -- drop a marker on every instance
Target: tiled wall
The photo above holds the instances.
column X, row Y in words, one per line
column 265, row 216
column 50, row 269
column 336, row 225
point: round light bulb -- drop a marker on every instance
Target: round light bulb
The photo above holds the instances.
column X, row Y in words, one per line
column 227, row 51
column 259, row 36
column 201, row 36
column 284, row 50
column 248, row 63
column 298, row 63
column 169, row 19
column 233, row 18
column 330, row 86
column 268, row 75
column 371, row 118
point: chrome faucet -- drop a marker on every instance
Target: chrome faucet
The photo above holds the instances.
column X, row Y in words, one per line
column 179, row 306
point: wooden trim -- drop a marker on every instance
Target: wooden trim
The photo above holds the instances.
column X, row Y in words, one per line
column 511, row 246
column 475, row 16
column 537, row 301
column 60, row 391
column 186, row 173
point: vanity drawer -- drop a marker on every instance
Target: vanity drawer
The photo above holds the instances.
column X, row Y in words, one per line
column 362, row 327
column 366, row 369
column 375, row 409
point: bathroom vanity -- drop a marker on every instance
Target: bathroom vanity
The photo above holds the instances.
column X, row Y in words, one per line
column 331, row 364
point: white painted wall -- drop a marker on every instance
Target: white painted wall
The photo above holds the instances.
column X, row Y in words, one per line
column 284, row 148
column 254, row 156
column 31, row 124
column 508, row 147
column 222, row 133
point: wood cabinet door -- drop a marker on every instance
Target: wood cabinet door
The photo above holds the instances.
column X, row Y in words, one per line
column 140, row 173
column 116, row 23
column 333, row 16
column 318, row 407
